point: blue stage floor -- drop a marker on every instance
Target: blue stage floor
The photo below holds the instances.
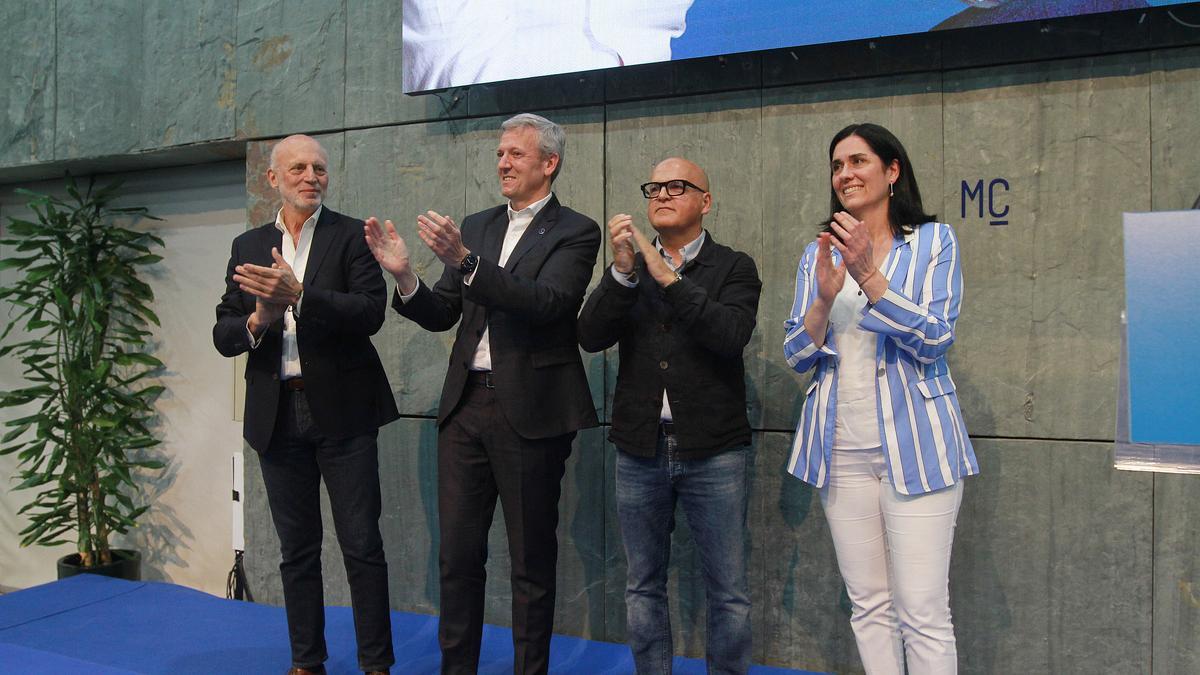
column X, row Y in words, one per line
column 102, row 626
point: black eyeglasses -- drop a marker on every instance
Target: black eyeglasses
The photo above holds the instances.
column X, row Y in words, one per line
column 674, row 188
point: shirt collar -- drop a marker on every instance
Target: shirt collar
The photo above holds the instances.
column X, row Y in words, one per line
column 530, row 211
column 688, row 252
column 308, row 224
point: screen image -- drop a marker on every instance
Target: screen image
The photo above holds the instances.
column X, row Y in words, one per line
column 451, row 43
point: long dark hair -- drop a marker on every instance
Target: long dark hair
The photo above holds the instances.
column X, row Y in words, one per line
column 904, row 209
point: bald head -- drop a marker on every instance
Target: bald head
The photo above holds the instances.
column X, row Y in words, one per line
column 678, row 167
column 293, row 143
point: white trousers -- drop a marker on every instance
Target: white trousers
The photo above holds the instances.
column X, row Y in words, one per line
column 893, row 551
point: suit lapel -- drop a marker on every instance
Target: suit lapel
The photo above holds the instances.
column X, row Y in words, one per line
column 538, row 227
column 493, row 235
column 322, row 238
column 271, row 238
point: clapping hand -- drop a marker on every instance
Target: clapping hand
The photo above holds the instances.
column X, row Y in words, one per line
column 655, row 264
column 442, row 237
column 620, row 237
column 276, row 284
column 391, row 252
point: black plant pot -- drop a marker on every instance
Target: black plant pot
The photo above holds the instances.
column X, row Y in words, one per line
column 126, row 564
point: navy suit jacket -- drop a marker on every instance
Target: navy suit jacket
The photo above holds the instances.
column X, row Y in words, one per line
column 529, row 307
column 345, row 301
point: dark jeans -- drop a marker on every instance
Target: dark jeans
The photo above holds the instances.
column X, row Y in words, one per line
column 481, row 457
column 292, row 468
column 713, row 493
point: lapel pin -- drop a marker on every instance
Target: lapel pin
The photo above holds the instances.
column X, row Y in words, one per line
column 541, row 230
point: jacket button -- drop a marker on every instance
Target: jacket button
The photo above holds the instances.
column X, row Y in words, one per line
column 662, row 365
column 274, row 376
column 881, row 372
column 666, row 327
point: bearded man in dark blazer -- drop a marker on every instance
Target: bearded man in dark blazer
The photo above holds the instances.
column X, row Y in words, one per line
column 303, row 296
column 515, row 391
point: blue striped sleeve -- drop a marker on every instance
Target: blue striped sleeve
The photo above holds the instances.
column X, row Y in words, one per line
column 924, row 329
column 798, row 346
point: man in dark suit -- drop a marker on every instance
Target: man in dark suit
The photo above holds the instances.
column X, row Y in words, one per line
column 682, row 311
column 515, row 391
column 303, row 296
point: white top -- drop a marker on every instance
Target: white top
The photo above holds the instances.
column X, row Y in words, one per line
column 295, row 254
column 856, row 422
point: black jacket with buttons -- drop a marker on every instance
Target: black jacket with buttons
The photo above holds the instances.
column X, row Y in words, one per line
column 687, row 338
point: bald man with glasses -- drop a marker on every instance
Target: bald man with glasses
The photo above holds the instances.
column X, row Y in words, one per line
column 681, row 309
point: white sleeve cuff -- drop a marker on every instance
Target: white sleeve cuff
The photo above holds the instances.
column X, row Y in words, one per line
column 254, row 341
column 626, row 280
column 410, row 296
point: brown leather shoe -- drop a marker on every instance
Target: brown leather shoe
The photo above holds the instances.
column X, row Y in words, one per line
column 319, row 670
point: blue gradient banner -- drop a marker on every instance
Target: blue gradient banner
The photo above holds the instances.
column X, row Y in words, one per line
column 1162, row 301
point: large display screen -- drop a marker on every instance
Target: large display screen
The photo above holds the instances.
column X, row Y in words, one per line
column 450, row 43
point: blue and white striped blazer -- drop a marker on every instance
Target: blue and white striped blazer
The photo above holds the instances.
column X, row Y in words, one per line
column 920, row 425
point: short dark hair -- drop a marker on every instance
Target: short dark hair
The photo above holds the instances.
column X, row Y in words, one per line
column 904, row 209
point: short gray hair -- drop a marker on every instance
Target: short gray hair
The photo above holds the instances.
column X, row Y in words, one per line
column 552, row 140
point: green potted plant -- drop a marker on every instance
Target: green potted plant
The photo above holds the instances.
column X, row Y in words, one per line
column 78, row 318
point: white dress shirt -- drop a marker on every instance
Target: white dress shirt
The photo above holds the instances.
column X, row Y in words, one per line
column 295, row 254
column 518, row 222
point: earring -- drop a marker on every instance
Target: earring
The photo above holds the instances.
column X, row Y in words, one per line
column 891, row 189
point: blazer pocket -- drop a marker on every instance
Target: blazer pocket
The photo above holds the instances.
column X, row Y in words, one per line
column 936, row 386
column 554, row 356
column 811, row 386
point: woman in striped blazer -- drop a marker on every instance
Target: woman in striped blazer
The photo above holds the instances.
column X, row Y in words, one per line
column 881, row 434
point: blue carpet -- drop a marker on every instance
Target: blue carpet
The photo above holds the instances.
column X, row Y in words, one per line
column 97, row 625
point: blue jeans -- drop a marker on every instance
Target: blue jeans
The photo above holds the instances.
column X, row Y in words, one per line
column 713, row 492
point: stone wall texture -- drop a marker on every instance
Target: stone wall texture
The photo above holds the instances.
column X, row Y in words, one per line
column 1061, row 563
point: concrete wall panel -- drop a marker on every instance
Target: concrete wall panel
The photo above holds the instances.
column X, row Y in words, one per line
column 291, row 67
column 1176, row 598
column 98, row 106
column 188, row 87
column 1037, row 341
column 1052, row 566
column 29, row 49
column 1174, row 100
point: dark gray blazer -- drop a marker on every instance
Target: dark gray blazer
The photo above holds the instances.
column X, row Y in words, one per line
column 529, row 308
